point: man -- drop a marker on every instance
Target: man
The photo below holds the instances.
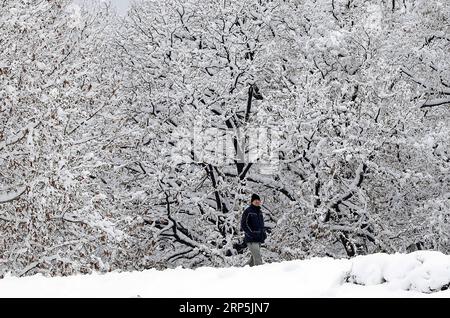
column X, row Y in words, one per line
column 252, row 223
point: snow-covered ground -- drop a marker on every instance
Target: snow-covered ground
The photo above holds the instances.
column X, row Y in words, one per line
column 419, row 274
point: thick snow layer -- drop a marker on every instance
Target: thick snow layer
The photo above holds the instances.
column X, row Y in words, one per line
column 419, row 274
column 423, row 271
column 9, row 196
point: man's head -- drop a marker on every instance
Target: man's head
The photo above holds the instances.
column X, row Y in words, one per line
column 255, row 200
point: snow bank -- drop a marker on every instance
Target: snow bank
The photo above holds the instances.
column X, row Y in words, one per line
column 378, row 275
column 422, row 271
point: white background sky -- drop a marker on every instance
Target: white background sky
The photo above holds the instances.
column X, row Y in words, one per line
column 121, row 5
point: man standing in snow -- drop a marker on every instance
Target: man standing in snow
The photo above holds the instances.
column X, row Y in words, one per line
column 252, row 223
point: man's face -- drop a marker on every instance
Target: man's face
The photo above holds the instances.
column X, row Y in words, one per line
column 256, row 202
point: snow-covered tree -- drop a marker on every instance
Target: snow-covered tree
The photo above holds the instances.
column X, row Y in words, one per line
column 55, row 96
column 108, row 127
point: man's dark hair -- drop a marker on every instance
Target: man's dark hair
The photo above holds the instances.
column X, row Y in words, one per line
column 255, row 197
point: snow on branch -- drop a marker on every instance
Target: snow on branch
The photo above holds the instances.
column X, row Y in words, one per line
column 10, row 196
column 436, row 102
column 425, row 85
column 357, row 181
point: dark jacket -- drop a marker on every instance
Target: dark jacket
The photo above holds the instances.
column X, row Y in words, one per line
column 252, row 223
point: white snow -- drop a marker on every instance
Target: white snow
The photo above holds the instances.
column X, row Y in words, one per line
column 6, row 196
column 374, row 17
column 423, row 271
column 377, row 275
